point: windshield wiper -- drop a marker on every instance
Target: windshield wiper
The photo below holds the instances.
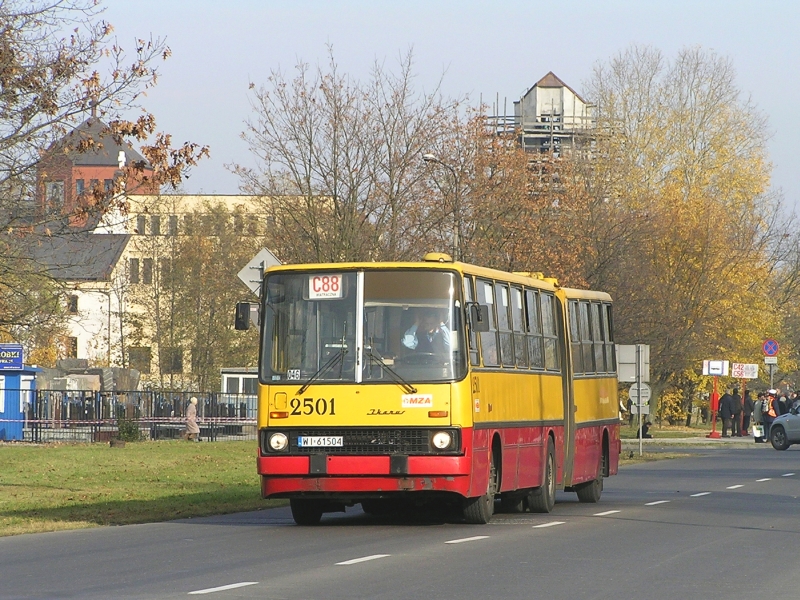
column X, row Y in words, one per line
column 409, row 389
column 332, row 362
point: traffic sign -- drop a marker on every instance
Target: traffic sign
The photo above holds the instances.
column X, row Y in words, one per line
column 770, row 360
column 744, row 371
column 770, row 347
column 253, row 272
column 633, row 393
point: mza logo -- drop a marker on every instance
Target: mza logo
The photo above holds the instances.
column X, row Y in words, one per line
column 417, row 400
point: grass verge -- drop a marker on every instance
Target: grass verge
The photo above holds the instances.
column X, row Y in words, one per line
column 56, row 487
column 71, row 486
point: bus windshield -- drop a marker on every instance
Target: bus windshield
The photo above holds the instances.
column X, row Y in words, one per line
column 408, row 323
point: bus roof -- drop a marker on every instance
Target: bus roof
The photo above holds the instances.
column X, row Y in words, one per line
column 528, row 279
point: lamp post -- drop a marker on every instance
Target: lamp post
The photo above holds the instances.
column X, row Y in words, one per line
column 432, row 158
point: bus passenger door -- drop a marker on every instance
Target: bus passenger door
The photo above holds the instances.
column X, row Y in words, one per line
column 567, row 373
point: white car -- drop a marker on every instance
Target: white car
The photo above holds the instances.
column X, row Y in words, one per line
column 785, row 430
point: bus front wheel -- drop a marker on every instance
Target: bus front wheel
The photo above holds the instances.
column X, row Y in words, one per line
column 479, row 510
column 306, row 512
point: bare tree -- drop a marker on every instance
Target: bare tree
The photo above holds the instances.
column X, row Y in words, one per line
column 341, row 167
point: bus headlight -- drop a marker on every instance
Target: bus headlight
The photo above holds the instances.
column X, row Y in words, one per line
column 442, row 440
column 278, row 442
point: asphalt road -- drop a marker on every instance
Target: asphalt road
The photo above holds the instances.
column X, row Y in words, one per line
column 723, row 523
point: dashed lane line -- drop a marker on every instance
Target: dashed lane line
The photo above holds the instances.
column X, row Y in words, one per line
column 353, row 561
column 469, row 539
column 765, row 479
column 550, row 524
column 605, row 514
column 734, row 487
column 697, row 495
column 787, row 474
column 657, row 502
column 222, row 588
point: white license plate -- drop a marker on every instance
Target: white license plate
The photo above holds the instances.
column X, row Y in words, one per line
column 320, row 441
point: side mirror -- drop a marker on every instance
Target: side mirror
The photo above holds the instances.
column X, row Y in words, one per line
column 478, row 317
column 247, row 315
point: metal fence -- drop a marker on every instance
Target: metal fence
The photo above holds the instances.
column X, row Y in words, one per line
column 87, row 416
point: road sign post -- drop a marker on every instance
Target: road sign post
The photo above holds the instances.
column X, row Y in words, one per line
column 716, row 368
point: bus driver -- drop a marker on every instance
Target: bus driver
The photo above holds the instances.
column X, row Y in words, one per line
column 428, row 334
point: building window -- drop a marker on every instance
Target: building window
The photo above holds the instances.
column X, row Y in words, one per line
column 133, row 268
column 140, row 224
column 71, row 347
column 94, row 185
column 188, row 225
column 155, row 225
column 108, row 187
column 79, row 186
column 54, row 193
column 170, row 361
column 147, row 271
column 139, row 358
column 72, row 305
column 238, row 224
column 173, row 225
column 165, row 265
column 201, row 357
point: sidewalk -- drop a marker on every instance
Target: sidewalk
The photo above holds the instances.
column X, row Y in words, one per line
column 630, row 443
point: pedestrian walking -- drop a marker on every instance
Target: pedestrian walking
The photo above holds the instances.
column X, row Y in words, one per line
column 192, row 429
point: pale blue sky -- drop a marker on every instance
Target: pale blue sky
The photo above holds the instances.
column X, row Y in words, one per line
column 483, row 49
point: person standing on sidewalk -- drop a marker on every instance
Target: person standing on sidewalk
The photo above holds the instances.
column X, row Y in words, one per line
column 726, row 413
column 747, row 412
column 737, row 414
column 771, row 410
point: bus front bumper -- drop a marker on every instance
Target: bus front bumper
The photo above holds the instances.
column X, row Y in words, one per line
column 283, row 476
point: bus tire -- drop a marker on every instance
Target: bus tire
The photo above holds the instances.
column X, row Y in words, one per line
column 543, row 498
column 479, row 511
column 590, row 492
column 306, row 512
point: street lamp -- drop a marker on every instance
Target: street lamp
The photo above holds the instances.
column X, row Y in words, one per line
column 432, row 158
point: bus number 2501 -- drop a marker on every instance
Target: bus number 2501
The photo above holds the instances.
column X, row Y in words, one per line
column 309, row 406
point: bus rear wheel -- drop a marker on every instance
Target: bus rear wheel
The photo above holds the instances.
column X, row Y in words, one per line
column 306, row 512
column 591, row 492
column 479, row 511
column 543, row 498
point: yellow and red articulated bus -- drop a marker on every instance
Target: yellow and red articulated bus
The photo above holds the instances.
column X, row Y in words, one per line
column 411, row 383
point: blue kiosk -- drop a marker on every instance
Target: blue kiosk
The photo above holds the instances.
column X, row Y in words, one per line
column 17, row 390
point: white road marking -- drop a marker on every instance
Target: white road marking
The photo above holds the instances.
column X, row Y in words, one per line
column 222, row 588
column 605, row 514
column 363, row 559
column 765, row 479
column 700, row 494
column 657, row 502
column 787, row 474
column 550, row 524
column 734, row 487
column 469, row 539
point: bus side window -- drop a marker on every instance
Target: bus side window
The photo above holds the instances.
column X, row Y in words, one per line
column 535, row 342
column 472, row 342
column 586, row 338
column 550, row 330
column 597, row 338
column 488, row 338
column 575, row 338
column 518, row 326
column 504, row 325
